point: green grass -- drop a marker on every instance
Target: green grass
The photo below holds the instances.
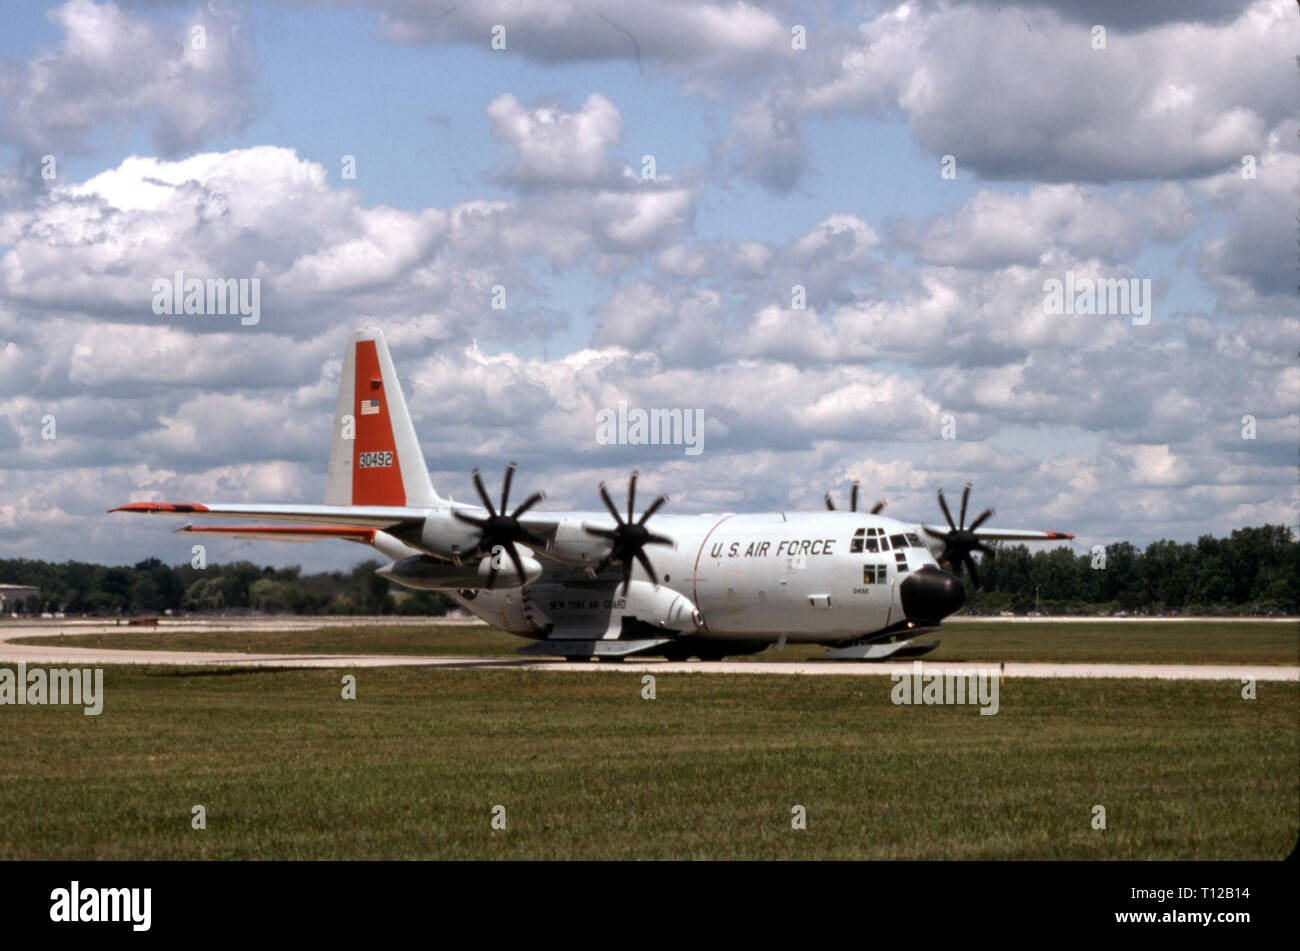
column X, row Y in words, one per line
column 1101, row 641
column 473, row 640
column 588, row 769
column 1244, row 642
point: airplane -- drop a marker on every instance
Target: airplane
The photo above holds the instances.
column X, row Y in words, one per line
column 583, row 584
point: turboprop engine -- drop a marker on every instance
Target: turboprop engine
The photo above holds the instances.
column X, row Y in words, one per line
column 430, row 574
column 662, row 607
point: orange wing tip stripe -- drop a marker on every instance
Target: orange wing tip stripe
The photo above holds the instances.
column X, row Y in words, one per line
column 160, row 507
column 1058, row 535
column 324, row 531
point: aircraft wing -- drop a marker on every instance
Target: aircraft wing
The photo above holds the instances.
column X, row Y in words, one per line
column 380, row 540
column 367, row 516
column 1003, row 534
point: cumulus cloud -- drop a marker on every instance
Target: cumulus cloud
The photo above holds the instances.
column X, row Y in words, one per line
column 766, row 145
column 553, row 147
column 1176, row 99
column 112, row 71
column 695, row 35
column 999, row 228
column 98, row 247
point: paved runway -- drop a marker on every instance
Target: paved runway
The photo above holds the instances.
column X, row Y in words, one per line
column 96, row 657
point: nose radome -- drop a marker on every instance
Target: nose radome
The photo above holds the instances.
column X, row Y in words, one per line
column 931, row 594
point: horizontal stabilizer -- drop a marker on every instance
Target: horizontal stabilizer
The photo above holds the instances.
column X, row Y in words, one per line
column 368, row 516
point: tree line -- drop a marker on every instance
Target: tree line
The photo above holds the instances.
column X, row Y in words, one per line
column 1255, row 570
column 152, row 587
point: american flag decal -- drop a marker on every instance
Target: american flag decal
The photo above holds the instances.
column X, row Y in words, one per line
column 369, row 407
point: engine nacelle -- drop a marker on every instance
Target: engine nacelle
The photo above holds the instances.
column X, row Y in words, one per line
column 430, row 574
column 574, row 546
column 663, row 607
column 598, row 608
column 448, row 536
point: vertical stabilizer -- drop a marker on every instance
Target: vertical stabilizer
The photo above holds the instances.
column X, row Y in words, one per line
column 375, row 458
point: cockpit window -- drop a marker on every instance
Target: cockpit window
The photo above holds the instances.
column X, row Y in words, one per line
column 898, row 541
column 873, row 543
column 856, row 544
column 913, row 540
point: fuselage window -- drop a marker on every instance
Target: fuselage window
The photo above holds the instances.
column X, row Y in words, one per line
column 913, row 540
column 874, row 574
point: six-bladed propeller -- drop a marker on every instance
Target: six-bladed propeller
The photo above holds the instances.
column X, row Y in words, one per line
column 628, row 538
column 502, row 529
column 853, row 501
column 961, row 540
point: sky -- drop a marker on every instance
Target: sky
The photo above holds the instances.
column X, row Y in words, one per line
column 831, row 227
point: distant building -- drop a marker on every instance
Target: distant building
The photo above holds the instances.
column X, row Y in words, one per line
column 14, row 597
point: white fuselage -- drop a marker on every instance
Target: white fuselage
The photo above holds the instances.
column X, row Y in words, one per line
column 813, row 577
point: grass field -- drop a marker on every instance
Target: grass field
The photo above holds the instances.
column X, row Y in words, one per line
column 586, row 768
column 1237, row 642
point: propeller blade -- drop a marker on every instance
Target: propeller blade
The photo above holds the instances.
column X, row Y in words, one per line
column 853, row 497
column 965, row 495
column 974, row 572
column 653, row 539
column 654, row 507
column 600, row 532
column 878, row 508
column 516, row 561
column 492, row 572
column 505, row 486
column 946, row 514
column 645, row 563
column 528, row 538
column 987, row 513
column 631, row 495
column 527, row 504
column 482, row 493
column 830, row 506
column 627, row 574
column 469, row 519
column 609, row 504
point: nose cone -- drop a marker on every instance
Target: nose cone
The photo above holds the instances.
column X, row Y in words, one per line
column 931, row 595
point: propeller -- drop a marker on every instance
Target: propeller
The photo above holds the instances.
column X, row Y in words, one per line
column 500, row 528
column 629, row 538
column 853, row 501
column 961, row 540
